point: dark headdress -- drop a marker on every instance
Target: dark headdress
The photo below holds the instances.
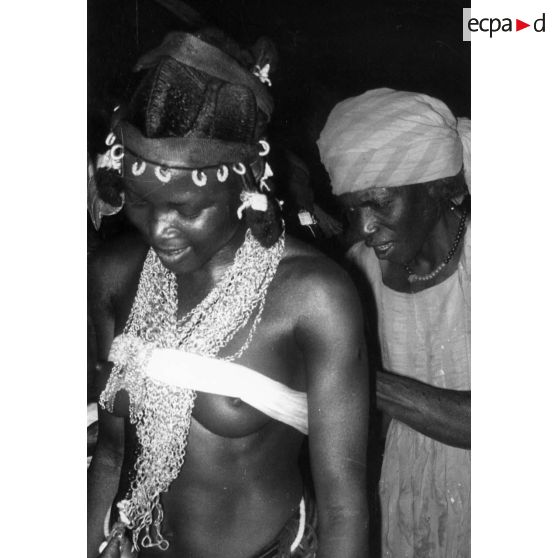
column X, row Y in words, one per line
column 201, row 107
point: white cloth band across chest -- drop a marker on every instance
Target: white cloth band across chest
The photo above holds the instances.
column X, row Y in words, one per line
column 210, row 375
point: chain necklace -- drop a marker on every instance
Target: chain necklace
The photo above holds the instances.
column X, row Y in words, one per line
column 162, row 413
column 414, row 277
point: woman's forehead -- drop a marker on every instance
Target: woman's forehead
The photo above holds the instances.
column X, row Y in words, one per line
column 178, row 187
column 369, row 194
column 383, row 194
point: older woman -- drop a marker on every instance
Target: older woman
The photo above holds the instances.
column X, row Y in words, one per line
column 399, row 163
column 229, row 341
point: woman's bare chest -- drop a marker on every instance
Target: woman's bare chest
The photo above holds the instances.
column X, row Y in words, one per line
column 272, row 354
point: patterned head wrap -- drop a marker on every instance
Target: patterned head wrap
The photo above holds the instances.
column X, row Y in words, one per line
column 389, row 138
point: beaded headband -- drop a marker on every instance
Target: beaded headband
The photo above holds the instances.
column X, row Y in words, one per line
column 164, row 156
column 132, row 155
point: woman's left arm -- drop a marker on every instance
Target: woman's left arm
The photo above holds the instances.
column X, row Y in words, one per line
column 330, row 334
column 442, row 414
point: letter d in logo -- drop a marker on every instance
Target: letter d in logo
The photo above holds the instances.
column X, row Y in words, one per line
column 538, row 26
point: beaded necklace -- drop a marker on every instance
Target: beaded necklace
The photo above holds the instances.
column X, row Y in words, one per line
column 161, row 412
column 414, row 277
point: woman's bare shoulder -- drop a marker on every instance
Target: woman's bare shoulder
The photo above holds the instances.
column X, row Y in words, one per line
column 312, row 275
column 324, row 308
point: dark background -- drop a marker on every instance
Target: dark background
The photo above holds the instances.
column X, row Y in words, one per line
column 329, row 50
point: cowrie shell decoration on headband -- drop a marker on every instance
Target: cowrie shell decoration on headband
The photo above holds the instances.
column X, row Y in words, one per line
column 111, row 159
column 239, row 168
column 116, row 152
column 199, row 178
column 265, row 148
column 164, row 175
column 138, row 168
column 222, row 173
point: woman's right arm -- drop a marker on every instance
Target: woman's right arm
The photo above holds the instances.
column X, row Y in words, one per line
column 104, row 471
column 103, row 477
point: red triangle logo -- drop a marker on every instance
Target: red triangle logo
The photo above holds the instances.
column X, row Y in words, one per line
column 519, row 25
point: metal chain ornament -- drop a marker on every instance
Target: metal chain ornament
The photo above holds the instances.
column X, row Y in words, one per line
column 162, row 413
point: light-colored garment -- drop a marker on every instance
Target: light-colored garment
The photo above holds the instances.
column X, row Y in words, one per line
column 425, row 485
column 220, row 377
column 388, row 138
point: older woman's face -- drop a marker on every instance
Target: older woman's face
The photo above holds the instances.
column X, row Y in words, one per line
column 185, row 224
column 395, row 222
